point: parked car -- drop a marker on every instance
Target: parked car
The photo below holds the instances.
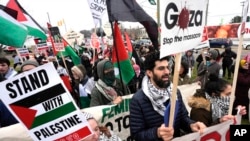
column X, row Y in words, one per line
column 220, row 42
column 246, row 45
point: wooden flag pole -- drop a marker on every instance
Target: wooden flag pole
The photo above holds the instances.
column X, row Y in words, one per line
column 236, row 70
column 174, row 92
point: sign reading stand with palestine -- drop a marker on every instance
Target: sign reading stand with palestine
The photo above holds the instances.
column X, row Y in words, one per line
column 40, row 101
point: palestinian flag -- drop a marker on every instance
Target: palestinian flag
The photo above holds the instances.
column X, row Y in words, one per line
column 129, row 45
column 34, row 29
column 120, row 58
column 68, row 50
column 12, row 33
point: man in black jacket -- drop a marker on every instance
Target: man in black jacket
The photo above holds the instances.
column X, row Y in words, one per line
column 148, row 105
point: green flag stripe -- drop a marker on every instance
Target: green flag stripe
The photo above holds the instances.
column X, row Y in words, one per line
column 126, row 70
column 36, row 32
column 54, row 114
column 10, row 30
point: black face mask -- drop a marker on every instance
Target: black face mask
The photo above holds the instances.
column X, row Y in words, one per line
column 109, row 78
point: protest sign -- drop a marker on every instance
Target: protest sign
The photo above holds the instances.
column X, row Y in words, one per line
column 181, row 25
column 22, row 52
column 98, row 9
column 40, row 101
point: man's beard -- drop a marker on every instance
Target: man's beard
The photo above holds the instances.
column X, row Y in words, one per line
column 159, row 82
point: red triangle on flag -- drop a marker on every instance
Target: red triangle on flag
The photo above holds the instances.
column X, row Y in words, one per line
column 26, row 115
column 13, row 5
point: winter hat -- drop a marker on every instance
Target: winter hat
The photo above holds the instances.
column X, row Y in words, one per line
column 29, row 62
column 243, row 62
column 108, row 65
column 213, row 54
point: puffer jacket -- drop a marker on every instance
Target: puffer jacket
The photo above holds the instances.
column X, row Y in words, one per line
column 201, row 108
column 144, row 120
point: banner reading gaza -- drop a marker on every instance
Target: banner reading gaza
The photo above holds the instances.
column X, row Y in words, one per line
column 41, row 102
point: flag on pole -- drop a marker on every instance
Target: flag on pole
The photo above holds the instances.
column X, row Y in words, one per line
column 120, row 58
column 34, row 29
column 68, row 50
column 12, row 33
column 129, row 10
column 244, row 16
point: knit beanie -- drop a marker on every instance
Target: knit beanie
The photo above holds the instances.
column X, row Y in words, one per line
column 213, row 54
column 29, row 62
column 243, row 62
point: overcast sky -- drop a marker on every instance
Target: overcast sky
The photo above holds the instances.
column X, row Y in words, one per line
column 77, row 16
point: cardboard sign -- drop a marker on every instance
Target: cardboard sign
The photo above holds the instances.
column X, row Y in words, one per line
column 40, row 101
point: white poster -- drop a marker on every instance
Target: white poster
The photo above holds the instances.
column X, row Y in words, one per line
column 182, row 23
column 98, row 9
column 40, row 101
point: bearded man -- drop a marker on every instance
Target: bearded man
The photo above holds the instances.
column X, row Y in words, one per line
column 148, row 105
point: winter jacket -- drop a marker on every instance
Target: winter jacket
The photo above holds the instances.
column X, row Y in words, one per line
column 144, row 120
column 201, row 108
column 6, row 117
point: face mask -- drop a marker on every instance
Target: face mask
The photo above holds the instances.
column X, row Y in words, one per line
column 109, row 78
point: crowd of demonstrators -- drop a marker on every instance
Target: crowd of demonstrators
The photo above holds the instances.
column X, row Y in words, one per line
column 242, row 87
column 189, row 58
column 228, row 56
column 211, row 104
column 108, row 89
column 83, row 85
column 100, row 133
column 210, row 66
column 148, row 105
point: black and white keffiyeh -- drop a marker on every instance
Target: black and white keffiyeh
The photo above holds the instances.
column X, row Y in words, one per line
column 157, row 96
column 219, row 105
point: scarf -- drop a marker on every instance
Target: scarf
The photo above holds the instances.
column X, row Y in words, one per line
column 157, row 96
column 219, row 105
column 106, row 91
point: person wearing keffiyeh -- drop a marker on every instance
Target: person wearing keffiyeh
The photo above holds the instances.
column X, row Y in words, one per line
column 148, row 105
column 108, row 89
column 211, row 104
